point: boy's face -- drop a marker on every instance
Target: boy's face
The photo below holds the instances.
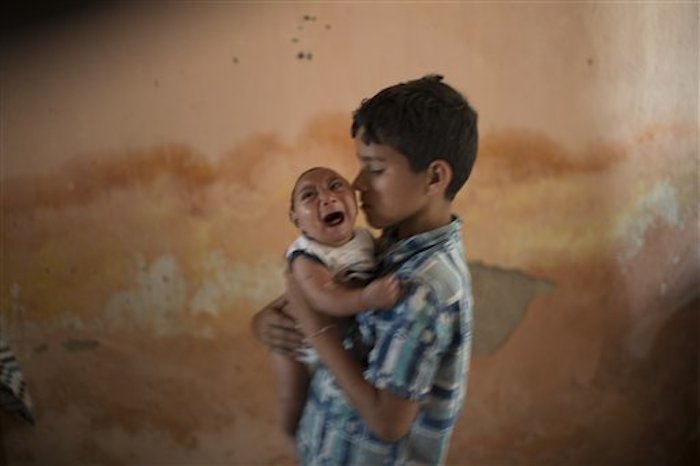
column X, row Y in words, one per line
column 390, row 192
column 324, row 207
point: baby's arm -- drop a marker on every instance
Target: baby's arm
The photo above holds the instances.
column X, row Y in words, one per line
column 325, row 296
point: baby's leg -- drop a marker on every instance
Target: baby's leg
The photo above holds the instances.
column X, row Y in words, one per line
column 292, row 381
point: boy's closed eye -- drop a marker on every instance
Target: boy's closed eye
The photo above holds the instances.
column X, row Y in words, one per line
column 373, row 169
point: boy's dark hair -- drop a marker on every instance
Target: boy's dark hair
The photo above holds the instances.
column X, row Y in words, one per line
column 425, row 120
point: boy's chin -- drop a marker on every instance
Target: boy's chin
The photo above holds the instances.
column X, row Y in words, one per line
column 375, row 222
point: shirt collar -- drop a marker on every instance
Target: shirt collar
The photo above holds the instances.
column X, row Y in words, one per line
column 393, row 251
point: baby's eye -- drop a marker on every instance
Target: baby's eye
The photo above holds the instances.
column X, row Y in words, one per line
column 306, row 195
column 336, row 185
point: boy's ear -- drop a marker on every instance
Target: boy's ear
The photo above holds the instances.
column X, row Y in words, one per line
column 439, row 176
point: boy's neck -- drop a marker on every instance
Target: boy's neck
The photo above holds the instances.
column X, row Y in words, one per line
column 431, row 217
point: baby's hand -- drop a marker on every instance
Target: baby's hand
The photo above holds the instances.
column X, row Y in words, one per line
column 381, row 293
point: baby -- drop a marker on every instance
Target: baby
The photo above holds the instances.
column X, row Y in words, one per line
column 333, row 262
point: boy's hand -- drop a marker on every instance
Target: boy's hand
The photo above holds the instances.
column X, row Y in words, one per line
column 276, row 329
column 381, row 293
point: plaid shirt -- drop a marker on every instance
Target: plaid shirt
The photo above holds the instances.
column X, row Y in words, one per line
column 418, row 350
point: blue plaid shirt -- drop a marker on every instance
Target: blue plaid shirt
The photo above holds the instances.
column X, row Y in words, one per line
column 418, row 350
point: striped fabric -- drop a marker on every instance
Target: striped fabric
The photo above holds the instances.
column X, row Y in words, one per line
column 419, row 350
column 14, row 396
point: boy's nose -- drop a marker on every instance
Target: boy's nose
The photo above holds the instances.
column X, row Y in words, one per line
column 358, row 184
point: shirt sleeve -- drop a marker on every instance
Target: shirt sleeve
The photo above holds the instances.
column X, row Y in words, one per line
column 411, row 339
column 298, row 252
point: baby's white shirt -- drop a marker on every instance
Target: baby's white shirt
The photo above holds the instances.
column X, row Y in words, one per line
column 353, row 260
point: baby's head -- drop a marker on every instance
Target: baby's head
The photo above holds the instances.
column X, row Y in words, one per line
column 323, row 206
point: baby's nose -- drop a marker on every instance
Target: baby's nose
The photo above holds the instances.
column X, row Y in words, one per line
column 327, row 197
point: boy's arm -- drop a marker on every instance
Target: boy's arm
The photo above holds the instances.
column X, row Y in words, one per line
column 323, row 295
column 387, row 415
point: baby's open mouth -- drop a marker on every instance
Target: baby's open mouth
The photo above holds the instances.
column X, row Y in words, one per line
column 334, row 219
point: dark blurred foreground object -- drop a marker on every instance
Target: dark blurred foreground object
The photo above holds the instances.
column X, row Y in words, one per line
column 14, row 396
column 20, row 15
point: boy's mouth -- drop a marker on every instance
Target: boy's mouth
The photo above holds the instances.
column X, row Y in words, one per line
column 334, row 219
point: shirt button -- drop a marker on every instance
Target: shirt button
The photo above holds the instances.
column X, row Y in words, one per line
column 351, row 427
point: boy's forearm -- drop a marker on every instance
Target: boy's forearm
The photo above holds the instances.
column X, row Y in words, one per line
column 386, row 415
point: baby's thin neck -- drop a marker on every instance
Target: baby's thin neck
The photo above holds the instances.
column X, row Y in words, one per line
column 331, row 245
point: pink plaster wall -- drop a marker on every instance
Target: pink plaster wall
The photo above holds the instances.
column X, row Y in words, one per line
column 147, row 155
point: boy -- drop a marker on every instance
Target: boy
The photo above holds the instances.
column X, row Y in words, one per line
column 416, row 143
column 329, row 252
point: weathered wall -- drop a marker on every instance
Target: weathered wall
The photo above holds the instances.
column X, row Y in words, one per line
column 148, row 151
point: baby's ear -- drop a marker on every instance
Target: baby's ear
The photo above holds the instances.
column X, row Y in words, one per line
column 293, row 218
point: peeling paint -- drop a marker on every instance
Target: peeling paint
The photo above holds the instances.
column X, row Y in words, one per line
column 227, row 281
column 153, row 301
column 660, row 204
column 501, row 300
column 162, row 298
